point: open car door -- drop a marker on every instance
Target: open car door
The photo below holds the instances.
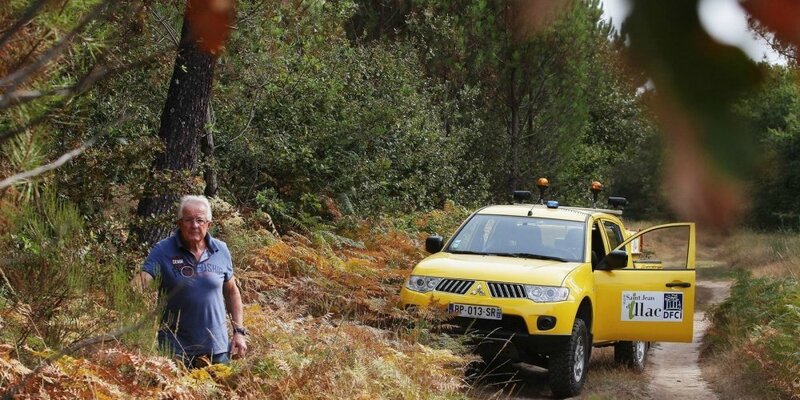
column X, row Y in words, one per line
column 650, row 298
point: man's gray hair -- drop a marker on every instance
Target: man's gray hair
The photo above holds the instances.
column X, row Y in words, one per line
column 201, row 200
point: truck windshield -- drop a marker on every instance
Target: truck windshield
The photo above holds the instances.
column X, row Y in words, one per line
column 513, row 236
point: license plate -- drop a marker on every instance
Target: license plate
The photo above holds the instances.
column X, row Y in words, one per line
column 471, row 311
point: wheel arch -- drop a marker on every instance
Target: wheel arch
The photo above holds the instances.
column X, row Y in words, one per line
column 586, row 313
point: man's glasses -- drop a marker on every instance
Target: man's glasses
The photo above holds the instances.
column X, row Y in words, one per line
column 190, row 221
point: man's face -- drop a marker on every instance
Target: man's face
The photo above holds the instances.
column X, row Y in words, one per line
column 194, row 224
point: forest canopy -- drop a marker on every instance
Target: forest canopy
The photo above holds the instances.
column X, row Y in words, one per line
column 368, row 107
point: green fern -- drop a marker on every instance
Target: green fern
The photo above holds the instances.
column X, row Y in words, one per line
column 337, row 241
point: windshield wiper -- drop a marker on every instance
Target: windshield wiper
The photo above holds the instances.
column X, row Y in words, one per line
column 536, row 256
column 515, row 255
column 480, row 253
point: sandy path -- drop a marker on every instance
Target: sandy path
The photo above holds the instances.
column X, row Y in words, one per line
column 674, row 370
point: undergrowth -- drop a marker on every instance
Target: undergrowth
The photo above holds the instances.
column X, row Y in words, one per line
column 775, row 254
column 322, row 309
column 758, row 323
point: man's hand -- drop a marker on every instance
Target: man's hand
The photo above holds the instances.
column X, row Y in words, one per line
column 238, row 346
column 141, row 281
column 233, row 303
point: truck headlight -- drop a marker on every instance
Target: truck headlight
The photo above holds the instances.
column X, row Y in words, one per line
column 546, row 294
column 423, row 284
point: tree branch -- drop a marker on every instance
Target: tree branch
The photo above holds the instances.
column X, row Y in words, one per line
column 69, row 92
column 11, row 180
column 242, row 132
column 22, row 21
column 17, row 77
column 171, row 32
column 8, row 282
column 97, row 73
column 252, row 13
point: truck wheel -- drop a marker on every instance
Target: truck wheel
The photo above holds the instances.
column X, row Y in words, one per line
column 632, row 354
column 569, row 362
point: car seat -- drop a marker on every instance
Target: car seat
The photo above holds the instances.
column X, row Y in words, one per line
column 530, row 239
column 573, row 242
column 504, row 239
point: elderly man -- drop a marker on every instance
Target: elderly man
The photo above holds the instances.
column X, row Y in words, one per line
column 195, row 272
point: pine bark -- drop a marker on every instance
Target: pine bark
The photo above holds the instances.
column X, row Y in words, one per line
column 182, row 126
column 209, row 167
column 514, row 132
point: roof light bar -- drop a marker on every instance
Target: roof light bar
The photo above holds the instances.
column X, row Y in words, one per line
column 542, row 184
column 596, row 187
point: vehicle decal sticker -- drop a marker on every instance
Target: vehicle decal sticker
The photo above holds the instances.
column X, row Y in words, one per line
column 652, row 306
column 456, row 243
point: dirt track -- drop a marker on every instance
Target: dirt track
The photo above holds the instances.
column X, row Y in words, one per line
column 674, row 368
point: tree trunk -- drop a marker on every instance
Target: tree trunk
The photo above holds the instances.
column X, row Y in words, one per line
column 209, row 166
column 182, row 124
column 514, row 132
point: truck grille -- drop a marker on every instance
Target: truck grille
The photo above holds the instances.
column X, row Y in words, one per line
column 507, row 290
column 457, row 286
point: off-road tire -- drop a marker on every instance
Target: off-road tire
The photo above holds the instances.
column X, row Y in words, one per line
column 631, row 354
column 569, row 363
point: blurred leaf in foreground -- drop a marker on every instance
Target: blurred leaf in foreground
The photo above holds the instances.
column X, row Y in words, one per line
column 698, row 80
column 211, row 22
column 782, row 17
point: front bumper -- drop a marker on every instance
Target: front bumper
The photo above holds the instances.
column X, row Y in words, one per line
column 520, row 315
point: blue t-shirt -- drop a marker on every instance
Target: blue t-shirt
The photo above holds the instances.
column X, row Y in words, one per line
column 194, row 319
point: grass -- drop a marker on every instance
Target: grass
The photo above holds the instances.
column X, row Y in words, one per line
column 324, row 322
column 752, row 349
column 609, row 380
column 323, row 313
column 324, row 319
column 774, row 255
column 606, row 380
column 302, row 357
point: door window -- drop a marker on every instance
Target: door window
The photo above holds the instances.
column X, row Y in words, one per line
column 614, row 234
column 598, row 246
column 664, row 249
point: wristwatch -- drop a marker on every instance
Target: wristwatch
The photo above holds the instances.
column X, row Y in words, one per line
column 240, row 330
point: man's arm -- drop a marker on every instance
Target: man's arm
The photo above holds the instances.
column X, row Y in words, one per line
column 233, row 304
column 141, row 281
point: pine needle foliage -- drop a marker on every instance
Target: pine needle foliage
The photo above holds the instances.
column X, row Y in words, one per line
column 24, row 153
column 45, row 263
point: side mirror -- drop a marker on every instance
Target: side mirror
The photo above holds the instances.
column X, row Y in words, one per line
column 434, row 244
column 617, row 259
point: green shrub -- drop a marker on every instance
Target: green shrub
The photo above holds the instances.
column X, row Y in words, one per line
column 48, row 264
column 761, row 318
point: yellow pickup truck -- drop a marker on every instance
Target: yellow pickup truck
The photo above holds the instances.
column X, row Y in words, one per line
column 544, row 283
